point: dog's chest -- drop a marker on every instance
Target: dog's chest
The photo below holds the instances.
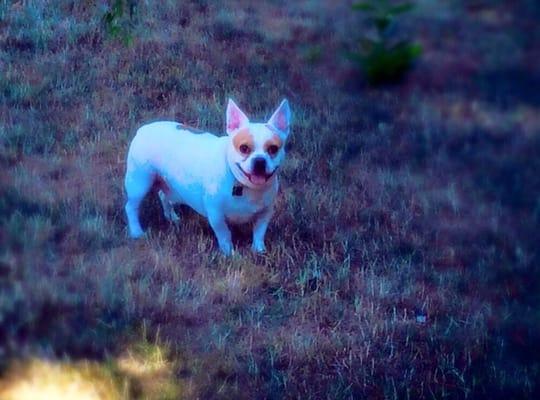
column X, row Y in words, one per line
column 243, row 204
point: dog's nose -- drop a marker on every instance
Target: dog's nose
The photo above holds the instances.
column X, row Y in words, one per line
column 259, row 166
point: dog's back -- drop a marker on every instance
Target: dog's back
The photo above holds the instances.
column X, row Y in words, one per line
column 176, row 156
column 164, row 141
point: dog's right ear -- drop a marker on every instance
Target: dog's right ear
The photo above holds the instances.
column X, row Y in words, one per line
column 235, row 118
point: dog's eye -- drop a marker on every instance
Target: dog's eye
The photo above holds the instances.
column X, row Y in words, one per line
column 244, row 149
column 272, row 149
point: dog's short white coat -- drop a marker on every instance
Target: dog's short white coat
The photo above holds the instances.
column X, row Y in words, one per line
column 201, row 169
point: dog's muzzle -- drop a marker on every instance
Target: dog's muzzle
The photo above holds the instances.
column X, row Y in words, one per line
column 259, row 166
column 256, row 177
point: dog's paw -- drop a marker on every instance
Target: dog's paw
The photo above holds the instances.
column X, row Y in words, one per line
column 258, row 248
column 174, row 218
column 226, row 248
column 170, row 215
column 137, row 234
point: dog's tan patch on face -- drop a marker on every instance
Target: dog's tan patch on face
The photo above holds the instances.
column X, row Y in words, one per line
column 272, row 145
column 243, row 142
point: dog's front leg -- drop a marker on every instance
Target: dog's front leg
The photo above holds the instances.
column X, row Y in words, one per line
column 259, row 230
column 223, row 234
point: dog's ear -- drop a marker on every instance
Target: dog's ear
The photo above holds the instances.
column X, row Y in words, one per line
column 281, row 119
column 235, row 118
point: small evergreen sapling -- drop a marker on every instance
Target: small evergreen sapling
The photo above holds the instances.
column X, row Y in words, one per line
column 119, row 20
column 383, row 59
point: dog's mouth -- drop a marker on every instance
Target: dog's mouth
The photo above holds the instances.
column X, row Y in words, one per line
column 257, row 179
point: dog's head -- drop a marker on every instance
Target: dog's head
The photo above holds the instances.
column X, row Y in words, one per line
column 256, row 149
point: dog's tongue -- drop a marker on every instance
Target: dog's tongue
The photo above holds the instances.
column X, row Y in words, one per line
column 258, row 180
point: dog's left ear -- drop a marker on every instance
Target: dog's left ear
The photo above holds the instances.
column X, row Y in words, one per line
column 281, row 119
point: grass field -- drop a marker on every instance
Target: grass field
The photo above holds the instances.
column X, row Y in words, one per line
column 403, row 257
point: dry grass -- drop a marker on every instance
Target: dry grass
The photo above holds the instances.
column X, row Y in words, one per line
column 402, row 259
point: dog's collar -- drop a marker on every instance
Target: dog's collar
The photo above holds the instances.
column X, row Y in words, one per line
column 237, row 189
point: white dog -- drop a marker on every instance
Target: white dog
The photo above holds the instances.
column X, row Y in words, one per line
column 226, row 179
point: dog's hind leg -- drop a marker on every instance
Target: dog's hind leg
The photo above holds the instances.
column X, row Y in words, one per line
column 168, row 209
column 138, row 182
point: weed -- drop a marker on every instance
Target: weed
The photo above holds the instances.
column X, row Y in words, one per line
column 119, row 20
column 382, row 58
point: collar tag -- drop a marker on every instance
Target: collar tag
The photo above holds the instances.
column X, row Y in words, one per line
column 237, row 190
